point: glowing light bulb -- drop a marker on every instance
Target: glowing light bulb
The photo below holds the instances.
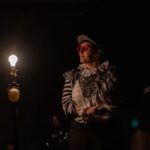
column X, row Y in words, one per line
column 13, row 60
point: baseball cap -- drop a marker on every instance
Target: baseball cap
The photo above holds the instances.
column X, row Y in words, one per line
column 81, row 38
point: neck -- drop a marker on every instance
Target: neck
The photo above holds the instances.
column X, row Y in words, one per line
column 91, row 65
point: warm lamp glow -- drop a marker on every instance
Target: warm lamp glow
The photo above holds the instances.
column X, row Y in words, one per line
column 13, row 60
column 14, row 94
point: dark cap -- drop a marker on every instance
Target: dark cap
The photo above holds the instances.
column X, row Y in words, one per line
column 82, row 38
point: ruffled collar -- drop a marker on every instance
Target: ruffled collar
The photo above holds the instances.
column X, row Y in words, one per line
column 90, row 72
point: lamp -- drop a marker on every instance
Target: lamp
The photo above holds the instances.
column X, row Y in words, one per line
column 13, row 87
column 13, row 60
column 13, row 92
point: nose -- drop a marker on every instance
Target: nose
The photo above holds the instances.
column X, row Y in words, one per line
column 81, row 51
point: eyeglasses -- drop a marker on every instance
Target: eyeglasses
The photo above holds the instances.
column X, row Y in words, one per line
column 82, row 48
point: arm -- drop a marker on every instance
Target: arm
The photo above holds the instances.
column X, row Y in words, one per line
column 67, row 103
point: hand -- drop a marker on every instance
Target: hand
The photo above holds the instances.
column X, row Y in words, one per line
column 89, row 111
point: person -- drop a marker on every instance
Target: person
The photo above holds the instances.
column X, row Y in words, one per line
column 89, row 98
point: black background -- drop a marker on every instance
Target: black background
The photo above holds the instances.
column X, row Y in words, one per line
column 43, row 36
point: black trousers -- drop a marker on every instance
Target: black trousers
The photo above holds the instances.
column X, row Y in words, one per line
column 89, row 137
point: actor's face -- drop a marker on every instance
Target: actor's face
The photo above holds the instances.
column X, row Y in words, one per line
column 85, row 51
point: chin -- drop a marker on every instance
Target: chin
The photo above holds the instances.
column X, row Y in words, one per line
column 81, row 61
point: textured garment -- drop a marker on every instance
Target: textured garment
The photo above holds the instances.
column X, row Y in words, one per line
column 84, row 88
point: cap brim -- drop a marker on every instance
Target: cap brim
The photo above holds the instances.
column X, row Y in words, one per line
column 82, row 38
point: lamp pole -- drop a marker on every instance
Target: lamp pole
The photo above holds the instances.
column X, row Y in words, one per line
column 13, row 92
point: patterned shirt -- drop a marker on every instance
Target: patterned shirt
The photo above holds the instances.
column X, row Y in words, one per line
column 84, row 88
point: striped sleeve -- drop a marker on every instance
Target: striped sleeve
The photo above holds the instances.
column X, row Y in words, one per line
column 67, row 103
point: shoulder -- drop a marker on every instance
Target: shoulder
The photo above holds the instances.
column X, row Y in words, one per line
column 110, row 67
column 107, row 66
column 71, row 73
column 110, row 70
column 113, row 69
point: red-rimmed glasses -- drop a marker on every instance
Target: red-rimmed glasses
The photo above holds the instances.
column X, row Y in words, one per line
column 82, row 48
